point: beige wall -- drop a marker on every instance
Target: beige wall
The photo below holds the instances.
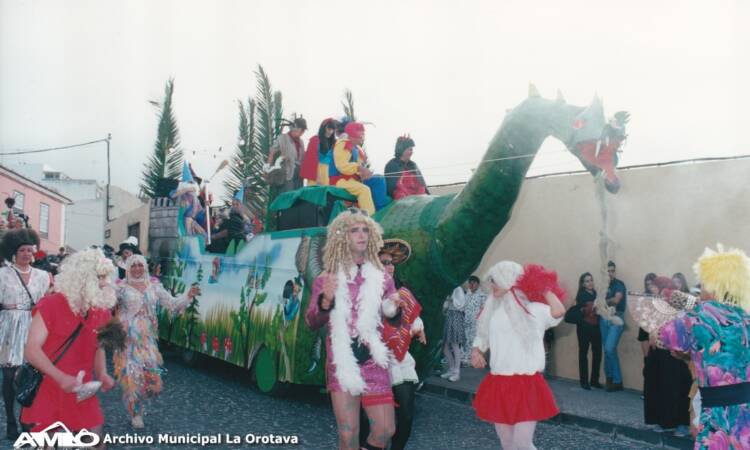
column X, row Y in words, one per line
column 660, row 221
column 118, row 228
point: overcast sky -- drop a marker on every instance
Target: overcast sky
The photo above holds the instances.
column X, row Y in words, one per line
column 445, row 72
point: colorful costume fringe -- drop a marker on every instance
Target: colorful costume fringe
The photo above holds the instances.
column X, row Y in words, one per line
column 138, row 368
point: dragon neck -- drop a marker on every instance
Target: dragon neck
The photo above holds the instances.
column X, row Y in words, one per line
column 475, row 216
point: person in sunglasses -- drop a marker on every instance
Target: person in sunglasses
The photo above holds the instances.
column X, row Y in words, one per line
column 352, row 296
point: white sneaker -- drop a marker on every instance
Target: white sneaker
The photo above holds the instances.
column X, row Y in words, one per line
column 137, row 422
column 454, row 377
column 446, row 374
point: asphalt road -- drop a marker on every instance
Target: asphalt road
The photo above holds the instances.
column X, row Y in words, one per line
column 219, row 399
column 217, row 402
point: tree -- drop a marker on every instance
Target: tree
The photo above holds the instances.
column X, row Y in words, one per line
column 166, row 160
column 348, row 104
column 192, row 314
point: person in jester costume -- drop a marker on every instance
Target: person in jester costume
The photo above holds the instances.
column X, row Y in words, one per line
column 352, row 296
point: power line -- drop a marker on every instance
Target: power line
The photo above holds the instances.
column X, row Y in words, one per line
column 43, row 150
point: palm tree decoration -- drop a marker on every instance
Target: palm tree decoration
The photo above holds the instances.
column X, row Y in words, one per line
column 192, row 314
column 348, row 104
column 270, row 122
column 278, row 113
column 166, row 161
column 268, row 125
column 247, row 162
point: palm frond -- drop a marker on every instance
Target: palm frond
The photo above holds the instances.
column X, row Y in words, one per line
column 348, row 104
column 163, row 163
column 264, row 100
column 278, row 114
column 247, row 162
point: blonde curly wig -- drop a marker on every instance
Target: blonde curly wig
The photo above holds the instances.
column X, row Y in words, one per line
column 337, row 255
column 78, row 280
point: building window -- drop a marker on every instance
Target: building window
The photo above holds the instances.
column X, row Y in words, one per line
column 135, row 230
column 44, row 220
column 19, row 200
column 107, row 234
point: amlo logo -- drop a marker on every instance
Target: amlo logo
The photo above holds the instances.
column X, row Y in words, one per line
column 62, row 439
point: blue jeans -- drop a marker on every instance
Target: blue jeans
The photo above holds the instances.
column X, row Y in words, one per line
column 610, row 338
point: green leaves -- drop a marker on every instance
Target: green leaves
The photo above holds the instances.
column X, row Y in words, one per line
column 260, row 123
column 266, row 112
column 247, row 162
column 348, row 104
column 166, row 160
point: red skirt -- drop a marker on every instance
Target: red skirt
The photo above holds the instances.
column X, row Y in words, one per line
column 510, row 399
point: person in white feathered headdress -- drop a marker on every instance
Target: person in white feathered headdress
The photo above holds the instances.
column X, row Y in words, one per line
column 524, row 301
column 351, row 297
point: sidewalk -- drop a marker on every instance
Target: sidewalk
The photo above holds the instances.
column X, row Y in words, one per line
column 616, row 413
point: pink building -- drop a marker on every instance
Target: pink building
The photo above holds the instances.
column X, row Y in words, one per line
column 45, row 207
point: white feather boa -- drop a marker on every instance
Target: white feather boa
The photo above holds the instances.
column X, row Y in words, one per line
column 367, row 326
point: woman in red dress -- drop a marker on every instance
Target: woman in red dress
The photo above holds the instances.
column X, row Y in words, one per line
column 83, row 296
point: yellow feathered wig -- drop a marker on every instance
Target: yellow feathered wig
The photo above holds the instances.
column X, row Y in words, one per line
column 726, row 274
column 337, row 255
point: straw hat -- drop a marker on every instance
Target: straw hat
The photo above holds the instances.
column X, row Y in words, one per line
column 399, row 250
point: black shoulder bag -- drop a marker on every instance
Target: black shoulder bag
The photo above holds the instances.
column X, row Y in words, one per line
column 28, row 378
column 574, row 315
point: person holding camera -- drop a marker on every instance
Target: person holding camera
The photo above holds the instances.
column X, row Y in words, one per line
column 352, row 296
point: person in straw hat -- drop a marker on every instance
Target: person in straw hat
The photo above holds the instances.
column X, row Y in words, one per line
column 397, row 335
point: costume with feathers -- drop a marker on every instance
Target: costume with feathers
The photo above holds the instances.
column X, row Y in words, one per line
column 360, row 301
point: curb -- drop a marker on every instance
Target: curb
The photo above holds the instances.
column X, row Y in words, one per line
column 615, row 430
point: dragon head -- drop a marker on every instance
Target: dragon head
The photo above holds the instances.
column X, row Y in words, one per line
column 590, row 137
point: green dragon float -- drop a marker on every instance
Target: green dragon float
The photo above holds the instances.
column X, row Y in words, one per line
column 252, row 303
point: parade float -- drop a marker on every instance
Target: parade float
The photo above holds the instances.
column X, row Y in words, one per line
column 250, row 311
